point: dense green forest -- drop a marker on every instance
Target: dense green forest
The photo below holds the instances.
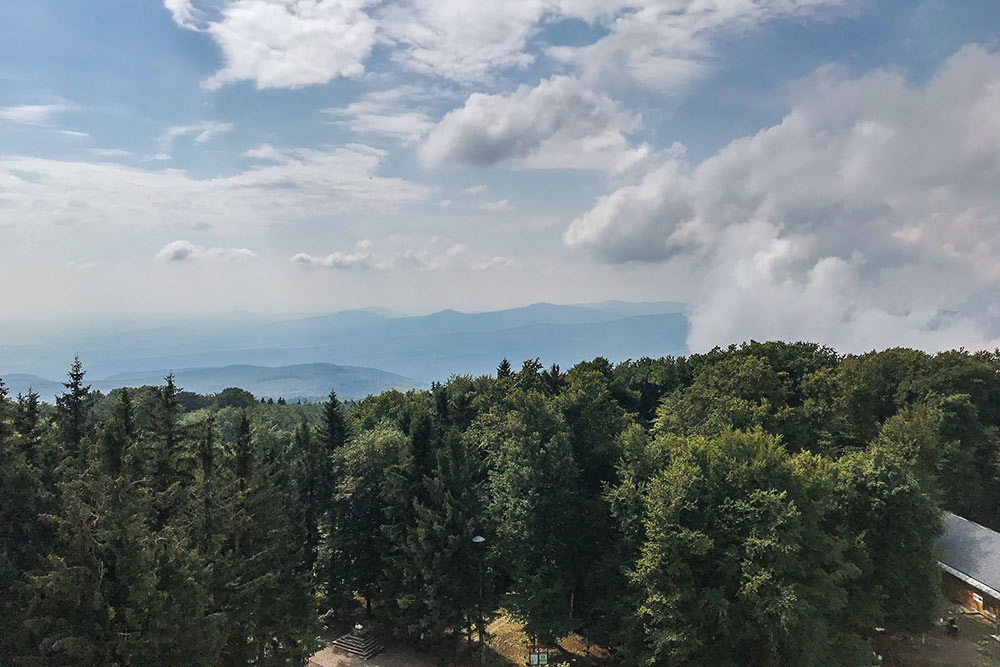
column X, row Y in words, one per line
column 767, row 504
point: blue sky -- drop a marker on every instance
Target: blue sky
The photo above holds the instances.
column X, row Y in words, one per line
column 818, row 169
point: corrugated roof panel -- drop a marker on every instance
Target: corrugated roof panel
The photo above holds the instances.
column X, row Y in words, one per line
column 971, row 549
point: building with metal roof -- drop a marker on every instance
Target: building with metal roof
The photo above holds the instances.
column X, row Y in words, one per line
column 969, row 555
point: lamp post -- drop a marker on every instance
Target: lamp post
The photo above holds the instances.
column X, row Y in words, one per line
column 478, row 540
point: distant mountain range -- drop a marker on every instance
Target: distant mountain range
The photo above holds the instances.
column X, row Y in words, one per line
column 302, row 381
column 409, row 350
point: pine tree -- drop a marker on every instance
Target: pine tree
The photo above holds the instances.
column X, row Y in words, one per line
column 360, row 507
column 269, row 601
column 24, row 538
column 441, row 545
column 26, row 413
column 125, row 413
column 334, row 424
column 74, row 409
column 207, row 491
column 116, row 590
column 244, row 450
column 171, row 474
column 310, row 478
column 402, row 580
column 503, row 370
column 533, row 496
column 334, row 560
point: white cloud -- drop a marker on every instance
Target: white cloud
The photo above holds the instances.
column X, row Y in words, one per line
column 304, row 185
column 666, row 45
column 427, row 256
column 265, row 152
column 865, row 217
column 460, row 40
column 495, row 206
column 395, row 113
column 475, row 190
column 183, row 12
column 182, row 251
column 291, row 43
column 31, row 114
column 285, row 43
column 157, row 157
column 110, row 152
column 75, row 134
column 559, row 124
column 201, row 132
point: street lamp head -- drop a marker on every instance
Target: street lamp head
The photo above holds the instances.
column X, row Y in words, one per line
column 478, row 539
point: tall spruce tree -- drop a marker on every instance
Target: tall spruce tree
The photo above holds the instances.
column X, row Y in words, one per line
column 360, row 507
column 334, row 560
column 26, row 413
column 171, row 473
column 243, row 461
column 533, row 495
column 310, row 478
column 402, row 580
column 73, row 407
column 269, row 600
column 454, row 594
column 115, row 590
column 24, row 539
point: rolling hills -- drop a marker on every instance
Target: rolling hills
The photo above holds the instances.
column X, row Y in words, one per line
column 390, row 350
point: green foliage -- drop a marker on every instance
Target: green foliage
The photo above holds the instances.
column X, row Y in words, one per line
column 532, row 496
column 73, row 407
column 736, row 568
column 762, row 504
column 893, row 523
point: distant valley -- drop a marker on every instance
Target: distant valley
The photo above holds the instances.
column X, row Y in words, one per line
column 358, row 352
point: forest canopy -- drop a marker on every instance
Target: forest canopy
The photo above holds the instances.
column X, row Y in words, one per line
column 764, row 504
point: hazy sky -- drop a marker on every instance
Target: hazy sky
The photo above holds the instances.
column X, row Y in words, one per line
column 817, row 169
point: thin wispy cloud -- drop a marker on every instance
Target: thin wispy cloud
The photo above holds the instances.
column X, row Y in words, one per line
column 199, row 132
column 31, row 114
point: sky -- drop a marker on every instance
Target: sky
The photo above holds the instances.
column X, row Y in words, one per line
column 823, row 170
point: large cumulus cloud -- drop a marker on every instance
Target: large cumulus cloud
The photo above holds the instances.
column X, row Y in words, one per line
column 870, row 215
column 558, row 124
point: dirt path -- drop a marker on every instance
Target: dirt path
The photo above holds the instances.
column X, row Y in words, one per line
column 973, row 647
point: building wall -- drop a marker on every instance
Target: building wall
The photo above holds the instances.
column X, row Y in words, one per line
column 962, row 593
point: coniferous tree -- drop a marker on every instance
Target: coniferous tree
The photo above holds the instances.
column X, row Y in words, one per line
column 533, row 493
column 269, row 602
column 402, row 580
column 24, row 539
column 171, row 464
column 207, row 488
column 442, row 548
column 360, row 507
column 333, row 439
column 115, row 589
column 310, row 476
column 243, row 462
column 74, row 409
column 26, row 413
column 504, row 370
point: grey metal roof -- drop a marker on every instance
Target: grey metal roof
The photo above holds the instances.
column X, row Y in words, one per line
column 968, row 549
